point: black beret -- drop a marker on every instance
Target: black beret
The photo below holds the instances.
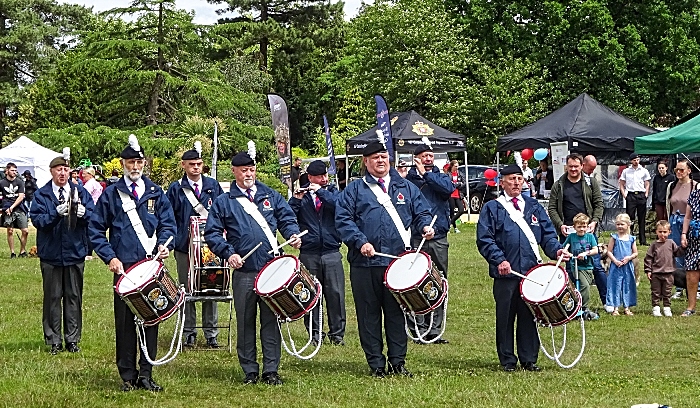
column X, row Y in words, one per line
column 58, row 161
column 191, row 155
column 130, row 153
column 422, row 148
column 317, row 168
column 511, row 169
column 634, row 156
column 242, row 159
column 372, row 148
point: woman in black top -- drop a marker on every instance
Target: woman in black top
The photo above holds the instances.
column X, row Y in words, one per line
column 659, row 187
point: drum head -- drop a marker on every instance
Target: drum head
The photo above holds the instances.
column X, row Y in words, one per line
column 542, row 274
column 401, row 275
column 137, row 275
column 275, row 274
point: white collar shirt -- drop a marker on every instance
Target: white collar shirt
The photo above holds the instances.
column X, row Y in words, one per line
column 140, row 186
column 519, row 197
column 387, row 180
column 634, row 179
column 56, row 192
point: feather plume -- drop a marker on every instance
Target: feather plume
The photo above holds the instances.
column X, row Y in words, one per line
column 198, row 147
column 134, row 143
column 251, row 149
column 380, row 137
column 427, row 141
column 66, row 153
column 518, row 159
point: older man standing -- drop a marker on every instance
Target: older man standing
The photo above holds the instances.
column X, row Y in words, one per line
column 507, row 230
column 61, row 250
column 634, row 186
column 139, row 218
column 249, row 214
column 437, row 187
column 367, row 227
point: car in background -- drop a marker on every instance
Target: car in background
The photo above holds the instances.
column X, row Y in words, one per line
column 479, row 191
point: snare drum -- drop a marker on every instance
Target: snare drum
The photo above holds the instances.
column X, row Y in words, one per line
column 287, row 288
column 208, row 275
column 419, row 288
column 149, row 291
column 558, row 302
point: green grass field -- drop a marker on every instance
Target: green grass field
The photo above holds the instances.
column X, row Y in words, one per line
column 628, row 360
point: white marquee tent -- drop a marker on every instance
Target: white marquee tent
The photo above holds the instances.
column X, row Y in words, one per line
column 29, row 155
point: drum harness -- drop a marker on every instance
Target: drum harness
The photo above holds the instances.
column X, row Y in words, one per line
column 519, row 220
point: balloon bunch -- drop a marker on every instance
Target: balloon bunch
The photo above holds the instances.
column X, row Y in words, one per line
column 490, row 175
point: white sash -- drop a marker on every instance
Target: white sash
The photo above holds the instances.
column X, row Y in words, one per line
column 198, row 207
column 129, row 207
column 519, row 219
column 253, row 211
column 385, row 201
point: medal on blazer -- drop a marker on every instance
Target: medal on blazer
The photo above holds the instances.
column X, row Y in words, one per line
column 151, row 205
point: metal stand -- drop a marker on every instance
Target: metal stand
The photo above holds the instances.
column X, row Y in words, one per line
column 223, row 298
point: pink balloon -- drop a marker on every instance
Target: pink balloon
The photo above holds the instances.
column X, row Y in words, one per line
column 490, row 173
column 527, row 154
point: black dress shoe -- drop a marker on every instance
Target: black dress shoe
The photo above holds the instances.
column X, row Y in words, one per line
column 190, row 341
column 147, row 383
column 379, row 372
column 509, row 368
column 400, row 369
column 531, row 367
column 56, row 348
column 129, row 385
column 72, row 347
column 212, row 343
column 441, row 341
column 272, row 378
column 251, row 378
column 337, row 341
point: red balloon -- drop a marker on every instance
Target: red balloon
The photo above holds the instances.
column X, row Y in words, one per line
column 490, row 173
column 527, row 154
column 491, row 183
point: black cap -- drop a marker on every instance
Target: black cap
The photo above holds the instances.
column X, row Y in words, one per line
column 27, row 173
column 511, row 169
column 242, row 159
column 191, row 155
column 58, row 161
column 422, row 148
column 317, row 168
column 634, row 156
column 372, row 148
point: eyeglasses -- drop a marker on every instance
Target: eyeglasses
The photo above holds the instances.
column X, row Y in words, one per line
column 679, row 170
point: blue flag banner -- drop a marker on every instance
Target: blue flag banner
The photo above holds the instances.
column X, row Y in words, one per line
column 329, row 146
column 384, row 124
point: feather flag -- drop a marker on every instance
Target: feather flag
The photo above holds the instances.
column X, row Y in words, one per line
column 329, row 146
column 384, row 124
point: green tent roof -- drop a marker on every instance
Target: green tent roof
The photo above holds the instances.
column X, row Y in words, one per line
column 684, row 138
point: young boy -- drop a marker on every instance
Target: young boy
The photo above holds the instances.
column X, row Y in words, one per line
column 659, row 265
column 582, row 246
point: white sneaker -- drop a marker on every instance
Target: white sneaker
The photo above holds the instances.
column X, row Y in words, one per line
column 609, row 309
column 667, row 312
column 457, row 231
column 656, row 311
column 677, row 295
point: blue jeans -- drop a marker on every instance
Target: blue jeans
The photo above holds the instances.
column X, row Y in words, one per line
column 600, row 278
column 676, row 221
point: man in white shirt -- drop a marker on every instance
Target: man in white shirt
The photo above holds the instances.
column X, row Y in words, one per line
column 634, row 186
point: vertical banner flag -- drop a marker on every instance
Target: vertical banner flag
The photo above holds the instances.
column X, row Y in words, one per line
column 280, row 123
column 384, row 124
column 329, row 146
column 215, row 153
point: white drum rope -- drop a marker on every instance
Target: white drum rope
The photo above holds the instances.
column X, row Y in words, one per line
column 555, row 356
column 291, row 349
column 421, row 337
column 177, row 336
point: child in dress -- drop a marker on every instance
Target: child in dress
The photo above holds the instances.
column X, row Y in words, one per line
column 583, row 245
column 659, row 265
column 622, row 249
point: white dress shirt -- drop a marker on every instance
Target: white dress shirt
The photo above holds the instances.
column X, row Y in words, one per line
column 140, row 186
column 634, row 179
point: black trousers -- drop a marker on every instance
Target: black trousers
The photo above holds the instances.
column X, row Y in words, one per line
column 509, row 306
column 438, row 251
column 637, row 209
column 127, row 342
column 328, row 269
column 63, row 300
column 372, row 299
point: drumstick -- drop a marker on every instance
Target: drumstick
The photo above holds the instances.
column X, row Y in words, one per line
column 556, row 267
column 167, row 242
column 287, row 242
column 387, row 255
column 421, row 243
column 520, row 275
column 250, row 253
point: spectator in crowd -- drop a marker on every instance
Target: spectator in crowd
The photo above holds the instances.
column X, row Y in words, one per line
column 527, row 177
column 14, row 214
column 599, row 276
column 113, row 178
column 29, row 188
column 635, row 186
column 543, row 173
column 341, row 174
column 75, row 179
column 296, row 171
column 456, row 203
column 622, row 249
column 659, row 188
column 583, row 245
column 690, row 240
column 659, row 267
column 91, row 185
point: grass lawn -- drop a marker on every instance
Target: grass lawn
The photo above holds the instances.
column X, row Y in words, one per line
column 628, row 360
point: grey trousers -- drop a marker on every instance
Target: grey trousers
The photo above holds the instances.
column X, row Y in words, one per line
column 438, row 251
column 63, row 300
column 246, row 302
column 210, row 315
column 328, row 269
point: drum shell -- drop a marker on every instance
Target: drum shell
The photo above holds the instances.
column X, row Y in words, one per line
column 156, row 299
column 296, row 297
column 208, row 275
column 423, row 296
column 558, row 309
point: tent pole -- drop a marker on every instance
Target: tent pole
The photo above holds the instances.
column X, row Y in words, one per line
column 466, row 180
column 498, row 169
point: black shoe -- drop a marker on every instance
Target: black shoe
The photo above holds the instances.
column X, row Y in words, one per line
column 400, row 369
column 147, row 383
column 129, row 385
column 337, row 341
column 56, row 348
column 420, row 342
column 190, row 340
column 315, row 342
column 379, row 372
column 531, row 367
column 251, row 378
column 13, row 256
column 72, row 347
column 272, row 378
column 439, row 340
column 23, row 254
column 211, row 343
column 509, row 368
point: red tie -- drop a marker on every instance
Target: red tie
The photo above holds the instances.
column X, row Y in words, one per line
column 133, row 191
column 515, row 203
column 381, row 184
column 318, row 204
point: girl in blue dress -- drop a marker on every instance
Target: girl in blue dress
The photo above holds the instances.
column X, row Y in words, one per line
column 622, row 249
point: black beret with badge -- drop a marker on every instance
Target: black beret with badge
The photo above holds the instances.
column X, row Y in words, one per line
column 317, row 168
column 377, row 146
column 133, row 150
column 423, row 147
column 63, row 160
column 511, row 169
column 194, row 153
column 245, row 158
